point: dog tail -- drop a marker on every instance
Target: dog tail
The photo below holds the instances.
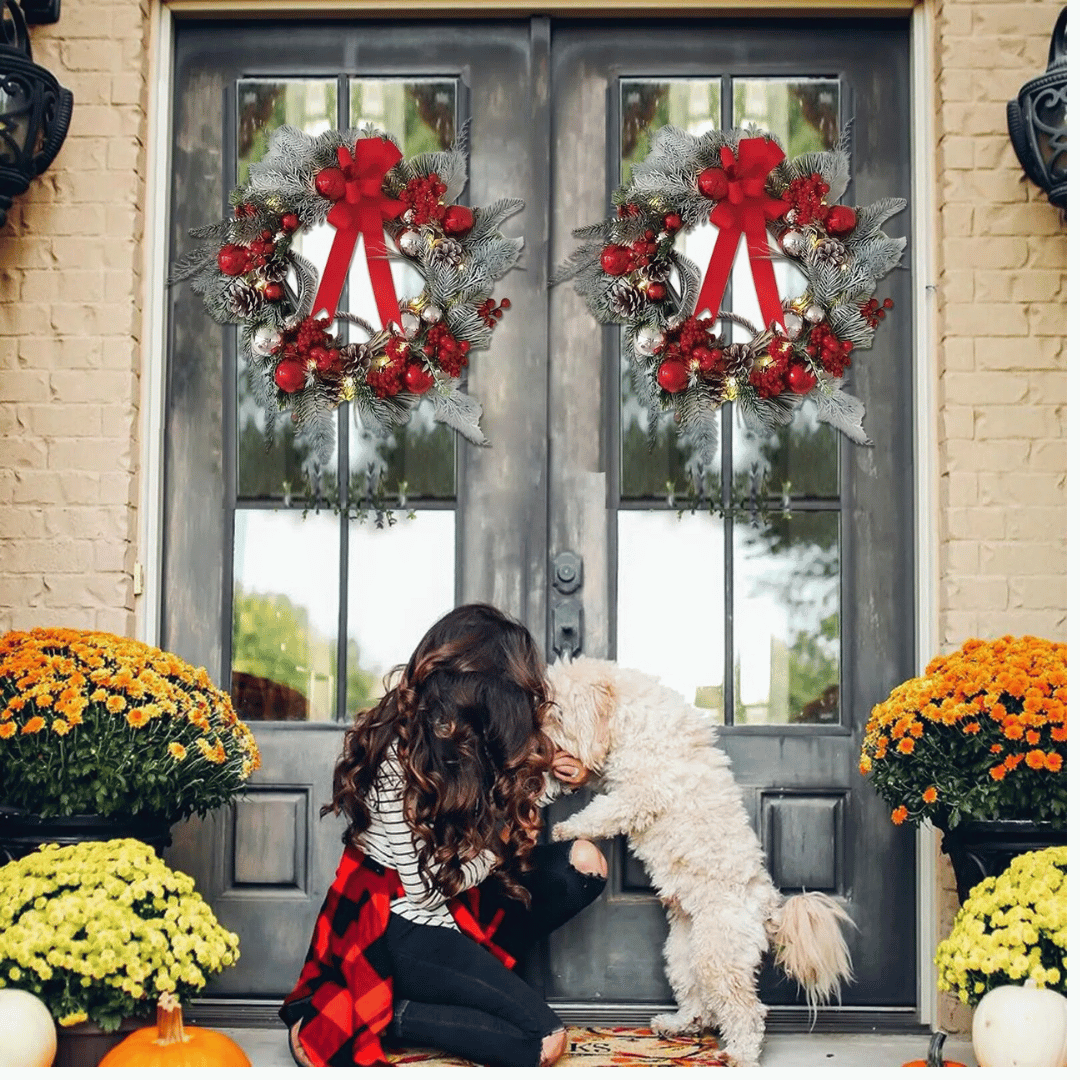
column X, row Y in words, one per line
column 808, row 939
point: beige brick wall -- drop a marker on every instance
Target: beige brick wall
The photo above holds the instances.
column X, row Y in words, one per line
column 69, row 338
column 1002, row 352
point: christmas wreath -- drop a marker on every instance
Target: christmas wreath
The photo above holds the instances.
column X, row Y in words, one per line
column 630, row 272
column 357, row 180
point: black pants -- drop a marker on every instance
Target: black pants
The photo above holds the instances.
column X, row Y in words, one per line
column 451, row 994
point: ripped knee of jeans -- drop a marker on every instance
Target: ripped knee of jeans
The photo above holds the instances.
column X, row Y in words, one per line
column 587, row 858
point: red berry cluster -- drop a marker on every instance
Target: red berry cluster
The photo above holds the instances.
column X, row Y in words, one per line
column 237, row 259
column 873, row 312
column 806, row 196
column 424, row 196
column 388, row 379
column 770, row 380
column 245, row 210
column 625, row 210
column 491, row 312
column 450, row 354
column 308, row 346
column 688, row 348
column 617, row 260
column 830, row 352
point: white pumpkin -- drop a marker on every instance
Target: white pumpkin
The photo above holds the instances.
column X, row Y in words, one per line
column 1020, row 1026
column 27, row 1031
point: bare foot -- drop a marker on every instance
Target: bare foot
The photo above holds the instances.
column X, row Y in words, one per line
column 294, row 1041
column 553, row 1047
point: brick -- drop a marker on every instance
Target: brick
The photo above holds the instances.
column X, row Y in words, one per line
column 1002, row 354
column 981, row 387
column 1014, row 219
column 1006, row 252
column 104, row 386
column 44, row 555
column 1050, row 455
column 85, row 590
column 958, row 422
column 990, row 455
column 960, row 557
column 88, row 522
column 80, row 285
column 979, row 592
column 1017, row 285
column 113, row 621
column 1046, row 319
column 962, row 489
column 1026, row 20
column 1018, row 421
column 1031, row 489
column 111, row 554
column 1016, row 559
column 24, row 386
column 976, row 522
column 1027, row 523
column 959, row 354
column 985, row 320
column 958, row 151
column 95, row 455
column 1050, row 623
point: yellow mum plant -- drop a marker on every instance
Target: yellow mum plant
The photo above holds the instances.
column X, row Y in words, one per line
column 1011, row 928
column 98, row 930
column 981, row 736
column 92, row 723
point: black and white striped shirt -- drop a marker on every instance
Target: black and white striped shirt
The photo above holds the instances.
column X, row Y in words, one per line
column 390, row 841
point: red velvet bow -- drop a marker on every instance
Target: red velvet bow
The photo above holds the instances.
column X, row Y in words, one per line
column 361, row 209
column 743, row 207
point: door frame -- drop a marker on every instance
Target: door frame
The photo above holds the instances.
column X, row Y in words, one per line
column 159, row 76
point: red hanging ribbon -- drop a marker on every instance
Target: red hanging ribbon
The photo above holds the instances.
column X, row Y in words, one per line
column 361, row 208
column 743, row 207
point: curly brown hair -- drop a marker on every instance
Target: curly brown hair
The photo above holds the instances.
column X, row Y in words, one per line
column 464, row 718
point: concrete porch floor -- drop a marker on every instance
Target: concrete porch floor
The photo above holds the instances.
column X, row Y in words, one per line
column 267, row 1048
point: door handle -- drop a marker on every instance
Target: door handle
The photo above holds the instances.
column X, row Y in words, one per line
column 567, row 615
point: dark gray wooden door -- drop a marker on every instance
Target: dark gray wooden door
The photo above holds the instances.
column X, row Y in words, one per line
column 806, row 615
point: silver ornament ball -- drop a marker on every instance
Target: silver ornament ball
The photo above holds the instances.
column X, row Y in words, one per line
column 647, row 340
column 793, row 242
column 793, row 324
column 410, row 324
column 265, row 340
column 815, row 313
column 411, row 243
column 431, row 314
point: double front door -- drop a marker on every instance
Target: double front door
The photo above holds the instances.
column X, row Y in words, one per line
column 783, row 605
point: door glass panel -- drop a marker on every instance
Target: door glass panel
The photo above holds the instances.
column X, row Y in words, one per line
column 421, row 115
column 664, row 628
column 414, row 559
column 285, row 589
column 787, row 619
column 801, row 459
column 280, row 467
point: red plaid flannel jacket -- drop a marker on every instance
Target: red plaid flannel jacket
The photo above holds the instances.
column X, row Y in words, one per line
column 345, row 993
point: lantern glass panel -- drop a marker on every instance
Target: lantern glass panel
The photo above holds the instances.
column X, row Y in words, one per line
column 16, row 110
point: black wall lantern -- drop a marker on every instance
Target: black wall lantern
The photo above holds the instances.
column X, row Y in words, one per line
column 1037, row 121
column 35, row 109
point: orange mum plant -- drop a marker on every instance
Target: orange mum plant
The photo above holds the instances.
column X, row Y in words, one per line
column 93, row 723
column 980, row 737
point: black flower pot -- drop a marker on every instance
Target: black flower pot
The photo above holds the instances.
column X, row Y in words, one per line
column 21, row 833
column 982, row 849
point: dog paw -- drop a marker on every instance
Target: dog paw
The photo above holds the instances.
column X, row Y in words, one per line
column 672, row 1025
column 560, row 831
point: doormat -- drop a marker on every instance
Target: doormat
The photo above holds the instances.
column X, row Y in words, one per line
column 596, row 1047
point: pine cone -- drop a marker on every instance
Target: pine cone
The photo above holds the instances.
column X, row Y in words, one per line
column 446, row 253
column 275, row 269
column 830, row 251
column 625, row 300
column 243, row 298
column 737, row 356
column 659, row 269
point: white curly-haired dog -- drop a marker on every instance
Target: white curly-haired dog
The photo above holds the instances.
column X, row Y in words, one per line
column 665, row 784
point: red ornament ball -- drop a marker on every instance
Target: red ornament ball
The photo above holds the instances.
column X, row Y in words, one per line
column 273, row 292
column 289, row 375
column 657, row 290
column 418, row 379
column 800, row 378
column 232, row 259
column 615, row 259
column 330, row 183
column 713, row 184
column 289, row 223
column 672, row 222
column 673, row 376
column 459, row 219
column 839, row 220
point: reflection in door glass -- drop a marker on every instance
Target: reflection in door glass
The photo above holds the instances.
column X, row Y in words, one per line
column 787, row 619
column 285, row 589
column 400, row 581
column 421, row 116
column 262, row 107
column 670, row 615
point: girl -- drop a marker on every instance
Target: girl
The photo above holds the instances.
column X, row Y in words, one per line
column 442, row 884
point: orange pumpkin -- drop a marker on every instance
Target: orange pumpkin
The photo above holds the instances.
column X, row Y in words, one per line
column 933, row 1056
column 170, row 1045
